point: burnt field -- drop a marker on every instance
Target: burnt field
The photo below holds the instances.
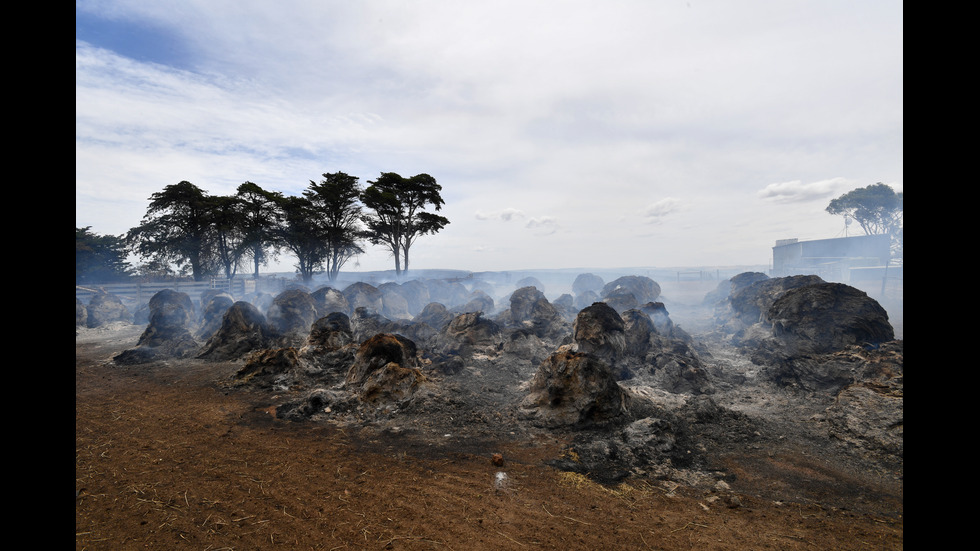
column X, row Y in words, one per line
column 764, row 413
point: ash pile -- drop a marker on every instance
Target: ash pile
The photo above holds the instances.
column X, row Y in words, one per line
column 605, row 366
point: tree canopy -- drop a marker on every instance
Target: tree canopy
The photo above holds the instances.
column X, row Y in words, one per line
column 186, row 227
column 336, row 199
column 177, row 228
column 261, row 217
column 877, row 208
column 398, row 216
column 100, row 258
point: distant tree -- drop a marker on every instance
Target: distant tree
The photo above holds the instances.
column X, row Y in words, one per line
column 336, row 199
column 877, row 208
column 177, row 229
column 228, row 233
column 261, row 219
column 398, row 214
column 100, row 258
column 301, row 233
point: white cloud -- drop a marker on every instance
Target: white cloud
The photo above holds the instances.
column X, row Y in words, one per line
column 504, row 214
column 655, row 213
column 796, row 191
column 545, row 225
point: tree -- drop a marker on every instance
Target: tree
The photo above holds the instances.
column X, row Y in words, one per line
column 228, row 233
column 261, row 219
column 398, row 215
column 877, row 208
column 301, row 234
column 336, row 200
column 177, row 228
column 100, row 258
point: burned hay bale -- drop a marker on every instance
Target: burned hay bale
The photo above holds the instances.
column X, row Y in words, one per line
column 642, row 288
column 330, row 332
column 329, row 300
column 467, row 334
column 385, row 369
column 167, row 335
column 243, row 329
column 599, row 330
column 364, row 295
column 213, row 314
column 531, row 310
column 266, row 368
column 577, row 390
column 824, row 317
column 105, row 308
column 291, row 314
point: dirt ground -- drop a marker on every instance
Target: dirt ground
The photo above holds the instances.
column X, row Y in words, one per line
column 169, row 457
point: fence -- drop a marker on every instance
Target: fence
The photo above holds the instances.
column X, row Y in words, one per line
column 135, row 295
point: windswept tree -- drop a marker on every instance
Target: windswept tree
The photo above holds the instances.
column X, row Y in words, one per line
column 398, row 216
column 100, row 258
column 261, row 219
column 336, row 200
column 877, row 208
column 177, row 228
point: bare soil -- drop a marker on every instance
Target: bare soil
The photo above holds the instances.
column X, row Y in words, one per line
column 170, row 456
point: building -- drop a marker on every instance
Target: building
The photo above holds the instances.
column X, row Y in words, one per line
column 842, row 259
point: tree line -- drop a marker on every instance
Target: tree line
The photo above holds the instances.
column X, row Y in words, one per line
column 324, row 227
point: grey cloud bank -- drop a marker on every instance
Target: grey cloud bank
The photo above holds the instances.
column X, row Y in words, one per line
column 576, row 133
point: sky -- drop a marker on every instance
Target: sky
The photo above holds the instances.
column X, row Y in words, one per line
column 564, row 133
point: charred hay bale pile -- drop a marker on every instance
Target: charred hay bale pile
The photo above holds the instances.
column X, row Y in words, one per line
column 243, row 329
column 466, row 335
column 530, row 281
column 746, row 307
column 105, row 308
column 329, row 300
column 330, row 332
column 291, row 314
column 530, row 309
column 824, row 317
column 435, row 315
column 629, row 292
column 599, row 330
column 664, row 443
column 367, row 322
column 719, row 296
column 330, row 348
column 213, row 313
column 168, row 332
column 394, row 304
column 385, row 370
column 630, row 345
column 271, row 368
column 587, row 282
column 867, row 415
column 363, row 295
column 574, row 390
column 416, row 294
column 479, row 301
